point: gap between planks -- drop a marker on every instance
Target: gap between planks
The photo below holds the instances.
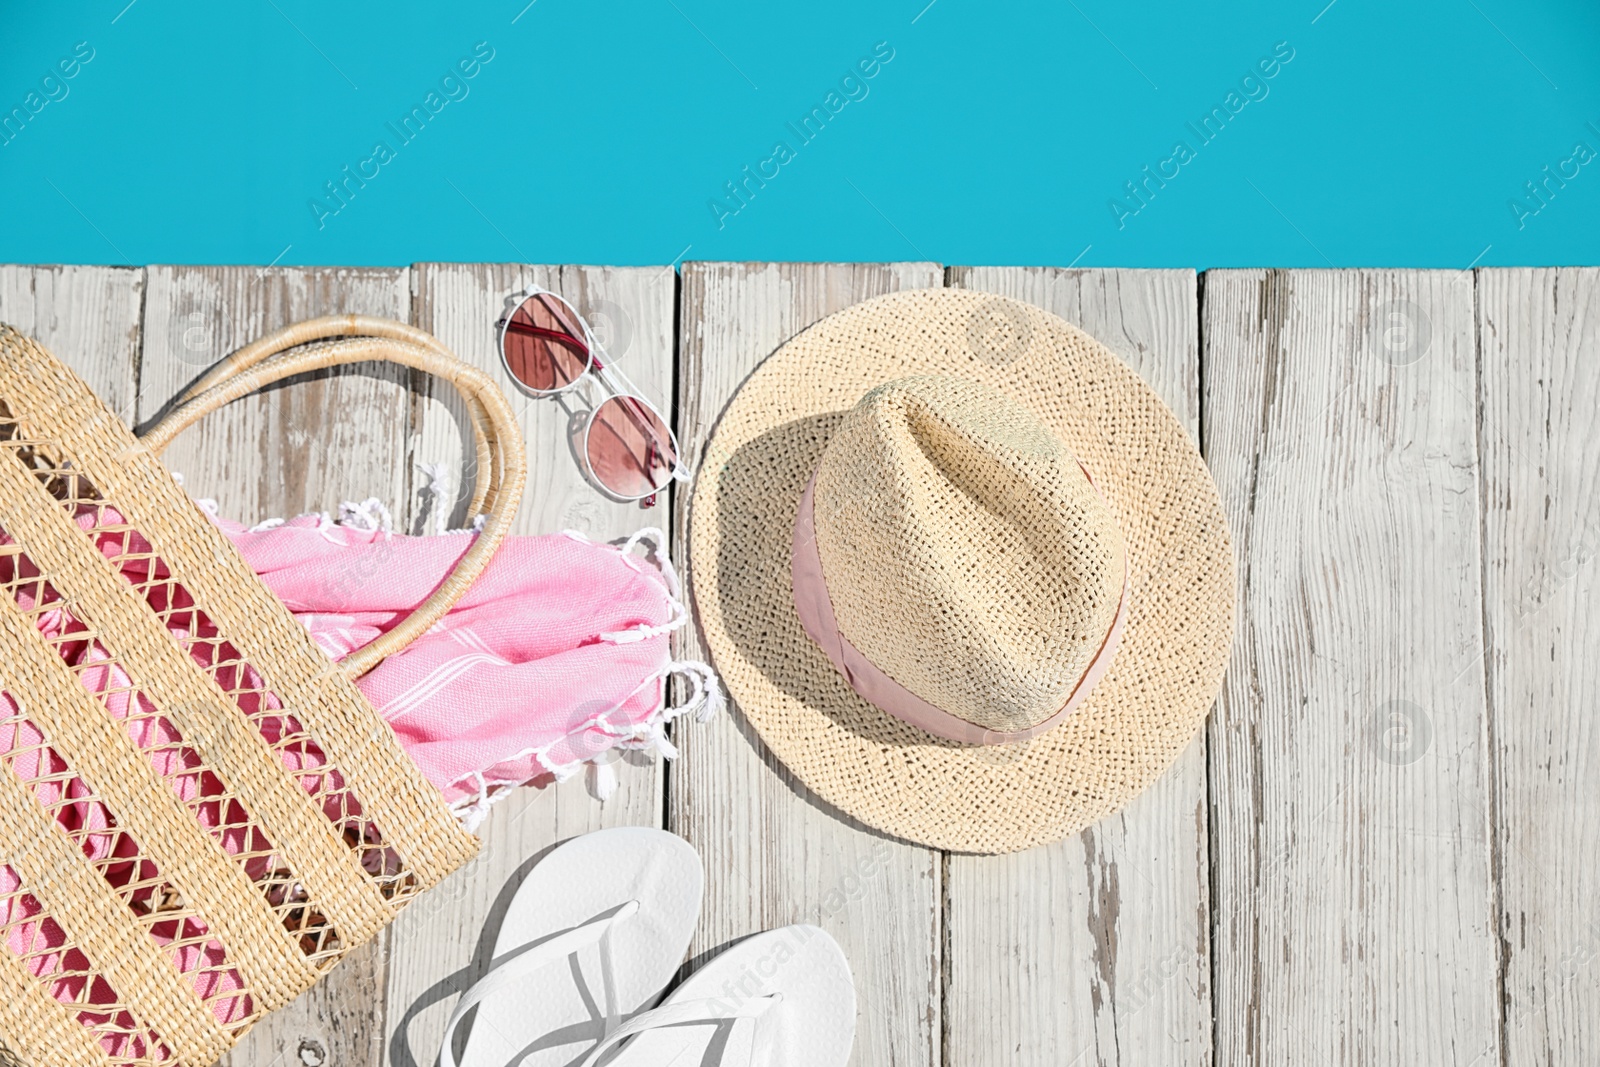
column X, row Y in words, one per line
column 1533, row 328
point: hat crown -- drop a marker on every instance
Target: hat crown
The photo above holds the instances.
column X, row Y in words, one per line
column 965, row 551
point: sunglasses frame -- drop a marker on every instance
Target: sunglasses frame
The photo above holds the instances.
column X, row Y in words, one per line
column 612, row 382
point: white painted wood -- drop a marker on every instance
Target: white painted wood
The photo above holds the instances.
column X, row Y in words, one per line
column 1094, row 949
column 87, row 316
column 1353, row 894
column 773, row 854
column 442, row 943
column 1540, row 337
column 1367, row 883
column 304, row 445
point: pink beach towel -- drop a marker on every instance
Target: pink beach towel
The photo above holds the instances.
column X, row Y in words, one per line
column 558, row 654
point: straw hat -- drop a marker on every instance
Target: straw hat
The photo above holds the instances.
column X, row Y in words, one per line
column 962, row 569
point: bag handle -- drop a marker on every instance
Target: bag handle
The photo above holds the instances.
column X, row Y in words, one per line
column 302, row 333
column 502, row 464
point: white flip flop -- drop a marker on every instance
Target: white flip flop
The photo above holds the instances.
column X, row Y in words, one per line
column 784, row 998
column 593, row 935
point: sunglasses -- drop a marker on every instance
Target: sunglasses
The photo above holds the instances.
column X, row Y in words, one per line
column 626, row 447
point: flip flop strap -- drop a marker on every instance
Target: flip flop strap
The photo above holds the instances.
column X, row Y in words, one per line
column 543, row 955
column 688, row 1011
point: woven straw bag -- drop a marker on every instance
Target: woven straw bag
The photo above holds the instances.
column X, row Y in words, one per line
column 254, row 817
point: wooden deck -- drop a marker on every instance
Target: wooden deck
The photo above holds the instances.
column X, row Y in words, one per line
column 1385, row 847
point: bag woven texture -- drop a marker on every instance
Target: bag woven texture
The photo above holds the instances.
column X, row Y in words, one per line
column 771, row 440
column 254, row 807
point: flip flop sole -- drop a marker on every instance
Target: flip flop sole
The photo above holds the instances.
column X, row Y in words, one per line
column 554, row 1015
column 812, row 1025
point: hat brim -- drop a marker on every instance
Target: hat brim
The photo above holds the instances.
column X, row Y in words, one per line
column 867, row 763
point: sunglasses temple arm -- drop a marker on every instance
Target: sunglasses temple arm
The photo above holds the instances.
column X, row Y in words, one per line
column 631, row 404
column 513, row 326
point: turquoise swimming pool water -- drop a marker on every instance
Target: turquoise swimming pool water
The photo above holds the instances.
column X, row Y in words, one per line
column 1351, row 133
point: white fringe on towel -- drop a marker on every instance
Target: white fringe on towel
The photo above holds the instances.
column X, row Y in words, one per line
column 704, row 698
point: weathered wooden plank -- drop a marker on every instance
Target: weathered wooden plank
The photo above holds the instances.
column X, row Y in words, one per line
column 1540, row 332
column 339, row 434
column 308, row 445
column 443, row 943
column 1094, row 949
column 1352, row 858
column 1352, row 890
column 87, row 316
column 775, row 856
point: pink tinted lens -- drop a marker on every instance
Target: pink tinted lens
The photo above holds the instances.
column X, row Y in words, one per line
column 629, row 448
column 542, row 345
